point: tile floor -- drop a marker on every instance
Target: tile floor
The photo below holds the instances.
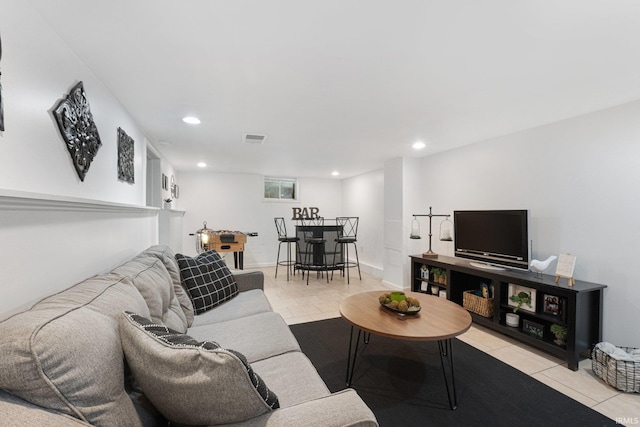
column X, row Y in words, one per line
column 298, row 303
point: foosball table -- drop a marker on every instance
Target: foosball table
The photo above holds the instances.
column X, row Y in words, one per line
column 223, row 241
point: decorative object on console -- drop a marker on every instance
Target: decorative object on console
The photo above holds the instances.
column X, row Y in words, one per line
column 77, row 128
column 415, row 231
column 565, row 268
column 540, row 266
column 512, row 320
column 521, row 297
column 554, row 306
column 534, row 329
column 125, row 157
column 167, row 203
column 446, row 230
column 477, row 304
column 560, row 332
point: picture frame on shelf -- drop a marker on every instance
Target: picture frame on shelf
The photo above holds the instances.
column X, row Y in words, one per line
column 533, row 329
column 553, row 305
column 515, row 290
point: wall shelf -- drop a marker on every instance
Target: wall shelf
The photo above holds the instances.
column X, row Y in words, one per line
column 20, row 200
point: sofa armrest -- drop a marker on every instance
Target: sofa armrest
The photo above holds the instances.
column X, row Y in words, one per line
column 344, row 408
column 249, row 279
column 15, row 411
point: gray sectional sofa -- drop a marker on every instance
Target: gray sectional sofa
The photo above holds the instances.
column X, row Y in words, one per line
column 126, row 348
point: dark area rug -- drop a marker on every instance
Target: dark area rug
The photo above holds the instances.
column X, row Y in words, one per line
column 402, row 383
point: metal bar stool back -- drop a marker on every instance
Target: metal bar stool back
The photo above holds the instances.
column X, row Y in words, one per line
column 314, row 256
column 348, row 234
column 283, row 238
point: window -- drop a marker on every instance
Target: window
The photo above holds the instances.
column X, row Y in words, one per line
column 281, row 188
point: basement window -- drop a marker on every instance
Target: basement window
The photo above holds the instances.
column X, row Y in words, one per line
column 280, row 188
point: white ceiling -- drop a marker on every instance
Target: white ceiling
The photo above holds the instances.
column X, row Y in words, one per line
column 347, row 84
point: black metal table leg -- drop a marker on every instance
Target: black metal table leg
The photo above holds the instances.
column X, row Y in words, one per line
column 446, row 352
column 352, row 363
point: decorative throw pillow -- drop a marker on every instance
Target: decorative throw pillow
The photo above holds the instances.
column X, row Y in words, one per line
column 207, row 279
column 192, row 382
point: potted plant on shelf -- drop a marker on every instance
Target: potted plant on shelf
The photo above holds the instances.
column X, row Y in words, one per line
column 167, row 203
column 560, row 333
column 520, row 298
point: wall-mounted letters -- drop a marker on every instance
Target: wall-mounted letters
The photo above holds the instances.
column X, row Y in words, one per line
column 305, row 213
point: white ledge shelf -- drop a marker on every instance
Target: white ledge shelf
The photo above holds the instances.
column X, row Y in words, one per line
column 20, row 200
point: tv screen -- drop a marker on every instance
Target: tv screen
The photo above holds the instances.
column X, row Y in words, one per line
column 493, row 237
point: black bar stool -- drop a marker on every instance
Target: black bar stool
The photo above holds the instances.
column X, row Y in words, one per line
column 314, row 256
column 347, row 234
column 283, row 238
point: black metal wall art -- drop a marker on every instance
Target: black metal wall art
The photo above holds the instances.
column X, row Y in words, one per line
column 125, row 157
column 78, row 129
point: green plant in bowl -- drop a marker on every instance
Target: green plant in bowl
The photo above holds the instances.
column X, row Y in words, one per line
column 398, row 296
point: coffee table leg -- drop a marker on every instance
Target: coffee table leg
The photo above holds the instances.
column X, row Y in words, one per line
column 446, row 351
column 351, row 364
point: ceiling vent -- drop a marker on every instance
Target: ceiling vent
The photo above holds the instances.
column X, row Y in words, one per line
column 253, row 138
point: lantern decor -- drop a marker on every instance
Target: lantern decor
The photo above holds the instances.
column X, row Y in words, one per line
column 204, row 239
column 415, row 231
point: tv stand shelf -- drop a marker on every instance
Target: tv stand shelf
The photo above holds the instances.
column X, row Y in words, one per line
column 577, row 307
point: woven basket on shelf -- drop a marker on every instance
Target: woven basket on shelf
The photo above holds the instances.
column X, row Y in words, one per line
column 621, row 374
column 476, row 304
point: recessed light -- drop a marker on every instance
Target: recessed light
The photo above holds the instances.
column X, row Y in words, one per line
column 419, row 145
column 191, row 120
column 335, row 173
column 202, row 165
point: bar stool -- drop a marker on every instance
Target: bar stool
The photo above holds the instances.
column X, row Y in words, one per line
column 347, row 234
column 313, row 245
column 283, row 238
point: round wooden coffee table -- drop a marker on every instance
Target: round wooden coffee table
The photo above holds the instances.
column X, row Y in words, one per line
column 438, row 320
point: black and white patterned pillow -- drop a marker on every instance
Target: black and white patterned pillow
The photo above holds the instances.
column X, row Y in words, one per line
column 201, row 370
column 207, row 279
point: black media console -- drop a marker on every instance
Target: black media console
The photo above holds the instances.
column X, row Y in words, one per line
column 577, row 307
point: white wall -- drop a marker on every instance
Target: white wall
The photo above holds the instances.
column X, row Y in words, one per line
column 363, row 196
column 48, row 246
column 393, row 223
column 235, row 202
column 579, row 179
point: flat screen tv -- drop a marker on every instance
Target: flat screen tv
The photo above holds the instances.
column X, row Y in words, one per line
column 493, row 238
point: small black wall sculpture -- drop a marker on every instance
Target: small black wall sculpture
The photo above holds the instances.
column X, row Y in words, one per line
column 125, row 157
column 78, row 129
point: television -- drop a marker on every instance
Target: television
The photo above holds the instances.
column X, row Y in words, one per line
column 494, row 239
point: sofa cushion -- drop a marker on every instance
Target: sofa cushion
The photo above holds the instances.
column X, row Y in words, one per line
column 65, row 352
column 244, row 304
column 192, row 382
column 292, row 377
column 151, row 278
column 168, row 258
column 258, row 337
column 207, row 280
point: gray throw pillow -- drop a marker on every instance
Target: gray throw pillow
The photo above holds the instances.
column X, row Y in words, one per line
column 207, row 279
column 192, row 382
